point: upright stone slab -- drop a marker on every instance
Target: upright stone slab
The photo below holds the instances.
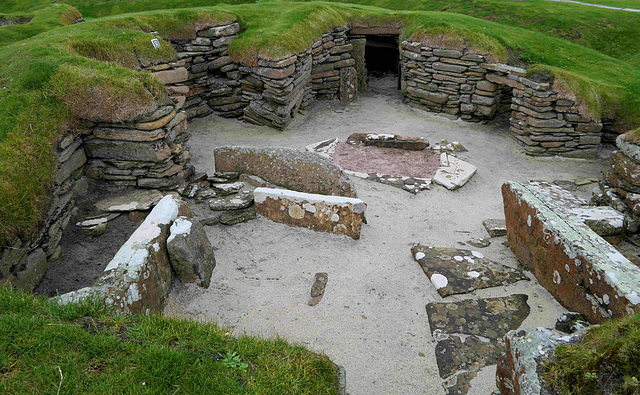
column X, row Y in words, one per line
column 348, row 84
column 318, row 212
column 579, row 268
column 190, row 252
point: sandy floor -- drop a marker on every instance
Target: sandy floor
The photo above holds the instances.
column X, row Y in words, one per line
column 372, row 319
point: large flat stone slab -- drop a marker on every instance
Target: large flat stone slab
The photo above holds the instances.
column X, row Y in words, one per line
column 287, row 167
column 579, row 268
column 386, row 140
column 317, row 212
column 453, row 172
column 455, row 271
column 133, row 200
column 491, row 317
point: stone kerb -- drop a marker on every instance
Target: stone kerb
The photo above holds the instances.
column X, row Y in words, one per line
column 317, row 212
column 579, row 268
column 287, row 167
column 139, row 277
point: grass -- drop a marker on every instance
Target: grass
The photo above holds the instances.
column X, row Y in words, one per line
column 605, row 361
column 85, row 348
column 40, row 21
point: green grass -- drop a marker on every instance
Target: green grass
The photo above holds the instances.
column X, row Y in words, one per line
column 608, row 355
column 41, row 21
column 85, row 348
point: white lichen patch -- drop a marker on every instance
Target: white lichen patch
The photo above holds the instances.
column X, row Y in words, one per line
column 458, row 258
column 439, row 281
column 477, row 254
column 556, row 277
column 335, row 217
column 296, row 212
column 420, row 255
column 473, row 274
column 181, row 226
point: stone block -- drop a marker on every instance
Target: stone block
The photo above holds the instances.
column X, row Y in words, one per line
column 626, row 167
column 66, row 169
column 348, row 84
column 435, row 97
column 190, row 252
column 276, row 74
column 134, row 200
column 323, row 213
column 31, row 274
column 389, row 141
column 631, row 150
column 287, row 167
column 579, row 268
column 128, row 150
column 128, row 134
column 172, row 76
column 453, row 172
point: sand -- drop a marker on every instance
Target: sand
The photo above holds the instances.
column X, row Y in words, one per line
column 372, row 319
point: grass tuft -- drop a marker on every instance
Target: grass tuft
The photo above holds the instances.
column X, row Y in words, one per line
column 86, row 348
column 606, row 361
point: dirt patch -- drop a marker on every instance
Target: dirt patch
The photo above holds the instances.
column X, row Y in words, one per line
column 84, row 257
column 392, row 161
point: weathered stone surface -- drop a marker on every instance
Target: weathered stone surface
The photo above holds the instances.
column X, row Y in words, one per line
column 290, row 168
column 457, row 355
column 172, row 76
column 571, row 322
column 605, row 221
column 234, row 217
column 133, row 200
column 453, row 172
column 128, row 134
column 276, row 74
column 31, row 274
column 630, row 149
column 454, row 271
column 228, row 188
column 626, row 167
column 128, row 150
column 233, row 202
column 581, row 270
column 377, row 30
column 66, row 169
column 348, row 84
column 318, row 287
column 317, row 212
column 389, row 141
column 156, row 124
column 526, row 350
column 138, row 278
column 435, row 97
column 190, row 252
column 495, row 227
column 409, row 184
column 491, row 318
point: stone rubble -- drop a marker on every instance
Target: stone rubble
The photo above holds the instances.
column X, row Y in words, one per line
column 190, row 252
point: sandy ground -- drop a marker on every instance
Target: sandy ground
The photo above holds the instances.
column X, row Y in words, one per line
column 372, row 319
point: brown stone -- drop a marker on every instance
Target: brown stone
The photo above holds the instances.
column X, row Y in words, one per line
column 128, row 134
column 190, row 252
column 275, row 74
column 348, row 84
column 626, row 167
column 435, row 97
column 172, row 76
column 589, row 127
column 317, row 212
column 290, row 168
column 157, row 124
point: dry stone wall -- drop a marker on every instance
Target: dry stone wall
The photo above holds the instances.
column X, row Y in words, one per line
column 464, row 84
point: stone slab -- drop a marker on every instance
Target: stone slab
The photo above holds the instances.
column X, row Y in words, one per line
column 348, row 84
column 605, row 221
column 579, row 268
column 231, row 202
column 322, row 213
column 455, row 271
column 287, row 167
column 324, row 148
column 134, row 200
column 389, row 141
column 453, row 172
column 491, row 318
column 190, row 252
column 409, row 184
column 495, row 227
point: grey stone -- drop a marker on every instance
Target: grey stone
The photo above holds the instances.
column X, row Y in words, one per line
column 34, row 269
column 133, row 200
column 605, row 221
column 237, row 216
column 571, row 322
column 234, row 202
column 495, row 227
column 66, row 169
column 228, row 188
column 156, row 151
column 190, row 252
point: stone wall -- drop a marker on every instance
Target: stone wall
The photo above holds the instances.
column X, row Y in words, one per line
column 579, row 268
column 23, row 263
column 460, row 83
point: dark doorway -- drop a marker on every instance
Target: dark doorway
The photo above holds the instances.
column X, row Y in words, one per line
column 382, row 56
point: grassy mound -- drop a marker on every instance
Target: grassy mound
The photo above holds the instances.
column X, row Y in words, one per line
column 605, row 362
column 85, row 348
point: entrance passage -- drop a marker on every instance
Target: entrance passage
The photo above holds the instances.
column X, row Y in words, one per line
column 382, row 55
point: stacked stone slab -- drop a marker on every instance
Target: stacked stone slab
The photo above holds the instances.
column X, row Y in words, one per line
column 147, row 153
column 275, row 90
column 463, row 84
column 23, row 262
column 331, row 58
column 620, row 187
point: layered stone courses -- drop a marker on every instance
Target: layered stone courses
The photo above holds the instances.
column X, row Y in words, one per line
column 579, row 268
column 460, row 83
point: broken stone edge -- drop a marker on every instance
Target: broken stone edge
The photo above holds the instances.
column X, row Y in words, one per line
column 579, row 268
column 138, row 278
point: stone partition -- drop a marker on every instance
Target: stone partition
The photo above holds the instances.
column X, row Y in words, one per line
column 579, row 268
column 287, row 167
column 321, row 213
